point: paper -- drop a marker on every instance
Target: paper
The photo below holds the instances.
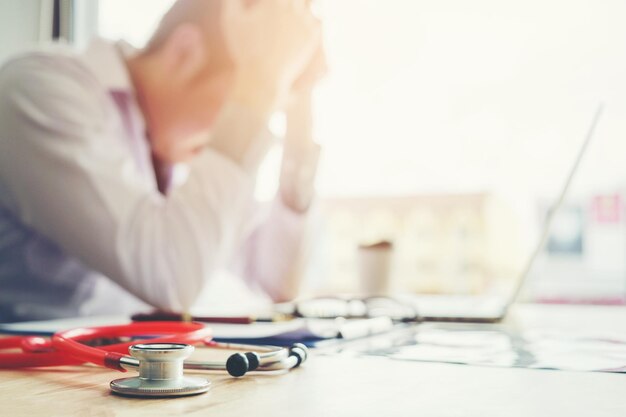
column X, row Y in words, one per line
column 471, row 347
column 577, row 351
column 489, row 345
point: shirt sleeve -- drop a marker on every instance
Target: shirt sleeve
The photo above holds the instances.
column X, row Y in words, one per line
column 66, row 177
column 276, row 254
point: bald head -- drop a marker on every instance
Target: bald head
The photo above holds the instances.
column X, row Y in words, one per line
column 203, row 14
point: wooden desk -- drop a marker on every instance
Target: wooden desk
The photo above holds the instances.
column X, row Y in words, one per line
column 339, row 386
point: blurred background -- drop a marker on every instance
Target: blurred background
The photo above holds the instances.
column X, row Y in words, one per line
column 448, row 129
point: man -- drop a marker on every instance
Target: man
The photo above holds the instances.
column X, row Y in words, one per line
column 91, row 217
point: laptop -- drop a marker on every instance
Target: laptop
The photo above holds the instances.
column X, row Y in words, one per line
column 493, row 309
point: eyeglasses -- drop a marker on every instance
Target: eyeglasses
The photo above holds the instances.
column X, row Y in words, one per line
column 351, row 308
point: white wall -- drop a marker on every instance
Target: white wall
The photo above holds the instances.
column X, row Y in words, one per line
column 19, row 25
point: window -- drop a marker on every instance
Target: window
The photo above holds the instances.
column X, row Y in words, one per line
column 132, row 21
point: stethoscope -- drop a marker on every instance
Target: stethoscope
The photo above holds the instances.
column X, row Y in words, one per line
column 159, row 357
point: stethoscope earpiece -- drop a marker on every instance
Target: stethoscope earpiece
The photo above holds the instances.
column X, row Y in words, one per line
column 253, row 360
column 300, row 353
column 238, row 364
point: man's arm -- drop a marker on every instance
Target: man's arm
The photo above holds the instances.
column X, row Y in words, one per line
column 278, row 250
column 68, row 177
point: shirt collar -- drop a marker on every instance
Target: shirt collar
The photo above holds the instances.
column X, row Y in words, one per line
column 107, row 62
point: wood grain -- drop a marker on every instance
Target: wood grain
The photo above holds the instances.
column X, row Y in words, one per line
column 332, row 385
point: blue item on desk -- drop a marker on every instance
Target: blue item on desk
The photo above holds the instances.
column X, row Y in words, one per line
column 274, row 340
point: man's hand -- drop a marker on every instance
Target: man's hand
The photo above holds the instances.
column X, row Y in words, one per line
column 313, row 72
column 271, row 42
column 299, row 107
column 301, row 153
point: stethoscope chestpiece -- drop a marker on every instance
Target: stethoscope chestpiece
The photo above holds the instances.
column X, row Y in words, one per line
column 160, row 372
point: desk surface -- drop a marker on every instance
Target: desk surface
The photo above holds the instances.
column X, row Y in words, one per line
column 341, row 385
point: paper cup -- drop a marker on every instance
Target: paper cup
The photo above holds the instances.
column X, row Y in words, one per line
column 375, row 268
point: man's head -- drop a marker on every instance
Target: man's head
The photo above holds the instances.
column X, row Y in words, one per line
column 182, row 77
column 186, row 72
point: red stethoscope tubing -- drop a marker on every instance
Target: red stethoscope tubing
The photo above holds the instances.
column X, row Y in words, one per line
column 65, row 348
column 31, row 357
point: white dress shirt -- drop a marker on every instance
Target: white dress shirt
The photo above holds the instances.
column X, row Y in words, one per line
column 83, row 228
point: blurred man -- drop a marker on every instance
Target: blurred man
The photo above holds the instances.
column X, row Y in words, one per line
column 92, row 219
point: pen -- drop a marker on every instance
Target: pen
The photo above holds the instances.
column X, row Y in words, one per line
column 168, row 316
